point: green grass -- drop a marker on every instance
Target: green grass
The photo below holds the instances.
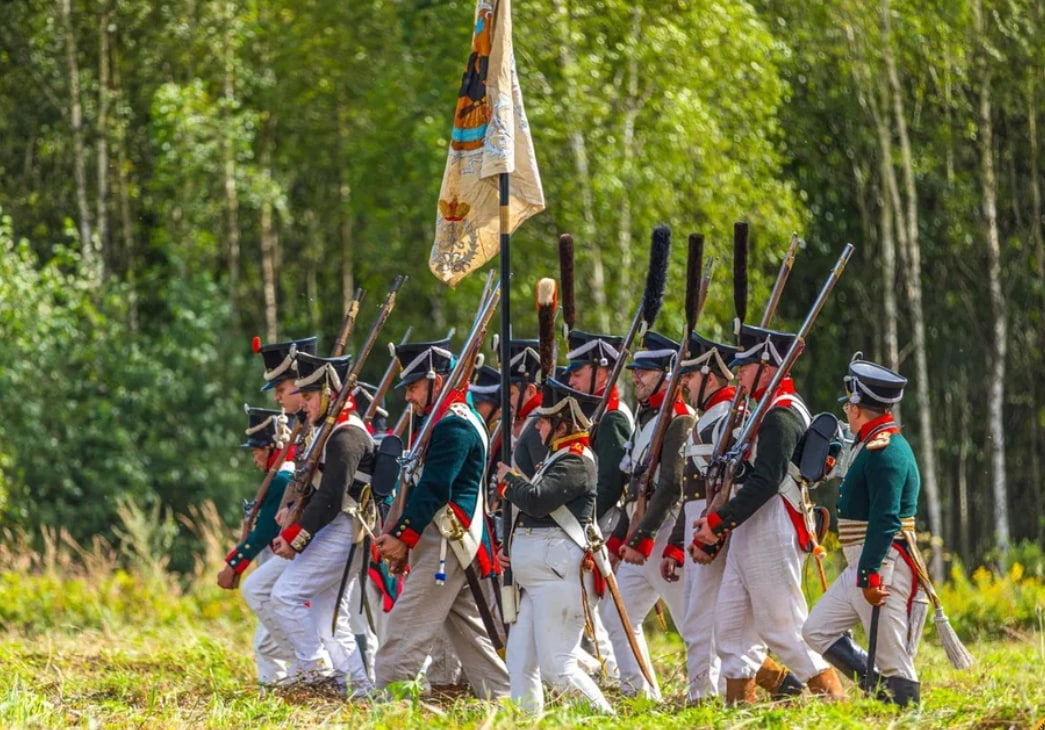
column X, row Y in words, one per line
column 85, row 643
column 199, row 675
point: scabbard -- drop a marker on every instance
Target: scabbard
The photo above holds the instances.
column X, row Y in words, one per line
column 484, row 609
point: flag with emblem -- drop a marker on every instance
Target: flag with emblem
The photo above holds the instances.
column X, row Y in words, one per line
column 490, row 137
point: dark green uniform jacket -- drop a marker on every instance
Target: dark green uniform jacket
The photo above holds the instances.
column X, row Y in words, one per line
column 880, row 488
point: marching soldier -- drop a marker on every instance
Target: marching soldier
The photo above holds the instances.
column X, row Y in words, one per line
column 445, row 509
column 548, row 548
column 876, row 508
column 266, row 435
column 705, row 378
column 318, row 542
column 280, row 370
column 637, row 535
column 760, row 601
column 524, row 397
column 591, row 357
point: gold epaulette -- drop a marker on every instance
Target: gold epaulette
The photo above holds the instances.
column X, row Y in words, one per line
column 879, row 442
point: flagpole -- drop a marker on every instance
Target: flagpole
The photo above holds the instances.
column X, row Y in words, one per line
column 506, row 333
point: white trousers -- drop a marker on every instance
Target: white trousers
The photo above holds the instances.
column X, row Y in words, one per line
column 761, row 600
column 304, row 599
column 700, row 585
column 271, row 657
column 425, row 609
column 640, row 587
column 843, row 606
column 544, row 642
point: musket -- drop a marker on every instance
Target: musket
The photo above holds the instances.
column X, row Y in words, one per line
column 457, row 379
column 781, row 279
column 569, row 309
column 600, row 556
column 737, row 407
column 386, row 379
column 725, row 469
column 652, row 299
column 347, row 325
column 696, row 293
column 303, row 476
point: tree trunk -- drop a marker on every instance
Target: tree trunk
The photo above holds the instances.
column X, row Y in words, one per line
column 344, row 214
column 102, row 212
column 999, row 335
column 79, row 155
column 125, row 252
column 268, row 233
column 232, row 230
column 589, row 243
column 913, row 289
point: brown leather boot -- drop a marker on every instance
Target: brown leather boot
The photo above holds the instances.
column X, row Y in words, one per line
column 770, row 676
column 827, row 685
column 740, row 692
column 777, row 680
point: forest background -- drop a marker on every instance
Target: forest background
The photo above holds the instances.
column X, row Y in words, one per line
column 177, row 177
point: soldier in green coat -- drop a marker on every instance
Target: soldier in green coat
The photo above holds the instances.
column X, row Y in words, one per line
column 876, row 509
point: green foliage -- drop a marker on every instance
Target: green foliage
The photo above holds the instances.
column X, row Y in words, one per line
column 106, row 412
column 986, row 604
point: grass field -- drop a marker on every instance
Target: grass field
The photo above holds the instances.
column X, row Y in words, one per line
column 197, row 673
column 85, row 643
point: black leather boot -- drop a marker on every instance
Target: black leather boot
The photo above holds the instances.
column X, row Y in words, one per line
column 790, row 687
column 851, row 660
column 903, row 692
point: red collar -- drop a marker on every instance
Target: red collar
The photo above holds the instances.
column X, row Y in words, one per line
column 884, row 422
column 655, row 400
column 274, row 455
column 575, row 442
column 721, row 395
column 528, row 407
column 613, row 402
column 786, row 387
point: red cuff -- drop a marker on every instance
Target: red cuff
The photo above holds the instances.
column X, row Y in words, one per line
column 406, row 533
column 714, row 521
column 675, row 553
column 645, row 546
column 237, row 562
column 290, row 533
column 614, row 544
column 869, row 580
column 501, row 487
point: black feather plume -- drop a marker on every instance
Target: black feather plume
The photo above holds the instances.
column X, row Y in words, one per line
column 693, row 264
column 740, row 271
column 657, row 276
column 569, row 311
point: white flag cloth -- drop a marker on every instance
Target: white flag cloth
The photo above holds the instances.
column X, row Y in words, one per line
column 490, row 136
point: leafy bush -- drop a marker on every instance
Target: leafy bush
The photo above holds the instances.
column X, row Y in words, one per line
column 107, row 409
column 989, row 604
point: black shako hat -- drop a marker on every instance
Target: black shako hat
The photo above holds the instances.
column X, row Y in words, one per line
column 279, row 359
column 558, row 398
column 264, row 427
column 872, row 385
column 423, row 360
column 657, row 354
column 486, row 385
column 707, row 356
column 757, row 342
column 524, row 363
column 587, row 348
column 315, row 373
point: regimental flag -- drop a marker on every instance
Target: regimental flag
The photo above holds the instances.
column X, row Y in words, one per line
column 491, row 136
